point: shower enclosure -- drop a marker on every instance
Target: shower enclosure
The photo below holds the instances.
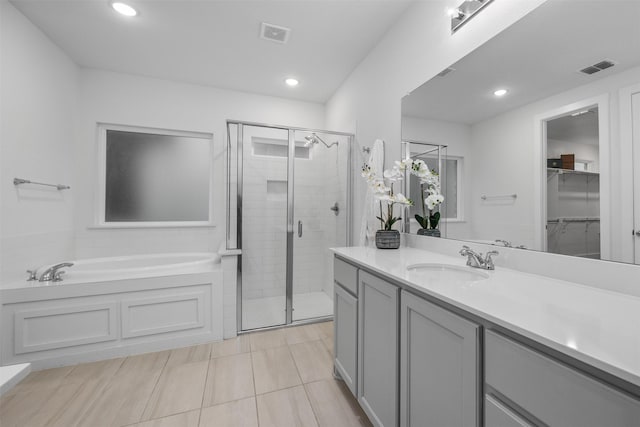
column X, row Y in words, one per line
column 288, row 203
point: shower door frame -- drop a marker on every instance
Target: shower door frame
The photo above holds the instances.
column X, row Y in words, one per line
column 291, row 131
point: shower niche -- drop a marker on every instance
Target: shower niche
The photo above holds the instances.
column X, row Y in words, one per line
column 282, row 185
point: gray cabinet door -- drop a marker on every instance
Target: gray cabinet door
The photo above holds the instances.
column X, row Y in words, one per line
column 439, row 375
column 378, row 349
column 346, row 336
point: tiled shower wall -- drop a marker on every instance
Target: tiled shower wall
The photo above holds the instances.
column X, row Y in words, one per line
column 319, row 183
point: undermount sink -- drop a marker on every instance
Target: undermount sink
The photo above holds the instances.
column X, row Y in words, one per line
column 445, row 273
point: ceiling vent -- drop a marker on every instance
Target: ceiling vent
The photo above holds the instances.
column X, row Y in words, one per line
column 445, row 72
column 274, row 33
column 596, row 68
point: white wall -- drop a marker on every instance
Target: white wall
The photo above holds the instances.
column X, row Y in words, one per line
column 415, row 49
column 37, row 119
column 140, row 101
column 509, row 140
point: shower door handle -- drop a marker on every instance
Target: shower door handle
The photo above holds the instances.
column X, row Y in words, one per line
column 299, row 228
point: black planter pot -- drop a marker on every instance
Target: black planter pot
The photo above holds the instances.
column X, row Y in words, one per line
column 431, row 232
column 387, row 239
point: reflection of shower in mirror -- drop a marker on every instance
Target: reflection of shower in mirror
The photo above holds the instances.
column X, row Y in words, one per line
column 314, row 139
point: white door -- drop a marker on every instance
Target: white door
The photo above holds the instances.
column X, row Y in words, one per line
column 635, row 114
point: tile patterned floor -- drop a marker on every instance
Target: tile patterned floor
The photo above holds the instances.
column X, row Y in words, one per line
column 277, row 378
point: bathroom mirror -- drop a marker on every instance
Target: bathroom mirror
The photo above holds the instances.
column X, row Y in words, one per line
column 572, row 93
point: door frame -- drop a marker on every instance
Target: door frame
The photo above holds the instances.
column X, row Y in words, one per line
column 235, row 242
column 540, row 168
column 630, row 178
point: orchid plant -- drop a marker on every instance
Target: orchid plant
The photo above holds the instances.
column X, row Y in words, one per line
column 429, row 186
column 385, row 194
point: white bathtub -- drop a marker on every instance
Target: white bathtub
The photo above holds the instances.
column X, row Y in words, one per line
column 113, row 307
column 137, row 266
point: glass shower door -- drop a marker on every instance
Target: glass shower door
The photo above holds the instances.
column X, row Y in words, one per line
column 319, row 219
column 263, row 227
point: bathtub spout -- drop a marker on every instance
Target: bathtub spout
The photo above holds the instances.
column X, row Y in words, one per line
column 52, row 274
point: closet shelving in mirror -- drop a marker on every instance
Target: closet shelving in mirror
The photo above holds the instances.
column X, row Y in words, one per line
column 571, row 171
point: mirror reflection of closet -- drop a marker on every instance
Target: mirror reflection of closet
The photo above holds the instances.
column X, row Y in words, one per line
column 573, row 184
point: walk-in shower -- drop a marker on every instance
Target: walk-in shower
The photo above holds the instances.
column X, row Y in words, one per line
column 288, row 203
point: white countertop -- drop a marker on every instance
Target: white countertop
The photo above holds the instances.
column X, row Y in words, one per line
column 596, row 326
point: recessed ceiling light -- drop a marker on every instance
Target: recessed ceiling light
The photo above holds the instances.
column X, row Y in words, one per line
column 291, row 82
column 124, row 9
column 579, row 113
column 500, row 92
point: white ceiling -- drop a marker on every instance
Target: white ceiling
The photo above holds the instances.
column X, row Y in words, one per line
column 535, row 58
column 217, row 43
column 581, row 129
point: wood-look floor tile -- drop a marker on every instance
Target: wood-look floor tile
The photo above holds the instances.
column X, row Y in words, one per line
column 231, row 346
column 274, row 369
column 102, row 370
column 18, row 409
column 334, row 405
column 179, row 389
column 48, row 378
column 147, row 362
column 196, row 353
column 313, row 361
column 328, row 342
column 300, row 334
column 288, row 407
column 74, row 399
column 325, row 329
column 229, row 378
column 267, row 339
column 184, row 419
column 123, row 400
column 239, row 413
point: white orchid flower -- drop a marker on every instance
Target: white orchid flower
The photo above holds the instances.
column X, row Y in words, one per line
column 433, row 200
column 403, row 164
column 401, row 199
column 384, row 198
column 420, row 169
column 378, row 187
column 393, row 174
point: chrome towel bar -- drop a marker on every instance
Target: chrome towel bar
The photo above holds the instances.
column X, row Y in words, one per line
column 20, row 181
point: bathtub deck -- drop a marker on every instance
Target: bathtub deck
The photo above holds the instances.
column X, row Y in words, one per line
column 259, row 379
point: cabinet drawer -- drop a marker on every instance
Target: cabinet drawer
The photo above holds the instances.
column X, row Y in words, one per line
column 498, row 415
column 346, row 275
column 552, row 392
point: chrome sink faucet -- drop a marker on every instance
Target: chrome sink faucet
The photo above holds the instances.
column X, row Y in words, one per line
column 52, row 274
column 476, row 260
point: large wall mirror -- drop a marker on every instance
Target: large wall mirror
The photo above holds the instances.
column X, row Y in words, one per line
column 548, row 163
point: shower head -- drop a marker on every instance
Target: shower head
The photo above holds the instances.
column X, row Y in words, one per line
column 310, row 140
column 314, row 139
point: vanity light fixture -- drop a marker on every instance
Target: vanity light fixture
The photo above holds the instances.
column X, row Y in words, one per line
column 291, row 82
column 500, row 92
column 463, row 13
column 124, row 9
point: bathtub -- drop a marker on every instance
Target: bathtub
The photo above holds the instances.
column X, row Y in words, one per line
column 113, row 307
column 136, row 266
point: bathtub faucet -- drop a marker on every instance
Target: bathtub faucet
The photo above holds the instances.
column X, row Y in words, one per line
column 52, row 274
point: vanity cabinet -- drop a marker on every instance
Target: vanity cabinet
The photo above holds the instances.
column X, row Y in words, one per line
column 420, row 364
column 439, row 360
column 345, row 301
column 548, row 392
column 378, row 312
column 498, row 415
